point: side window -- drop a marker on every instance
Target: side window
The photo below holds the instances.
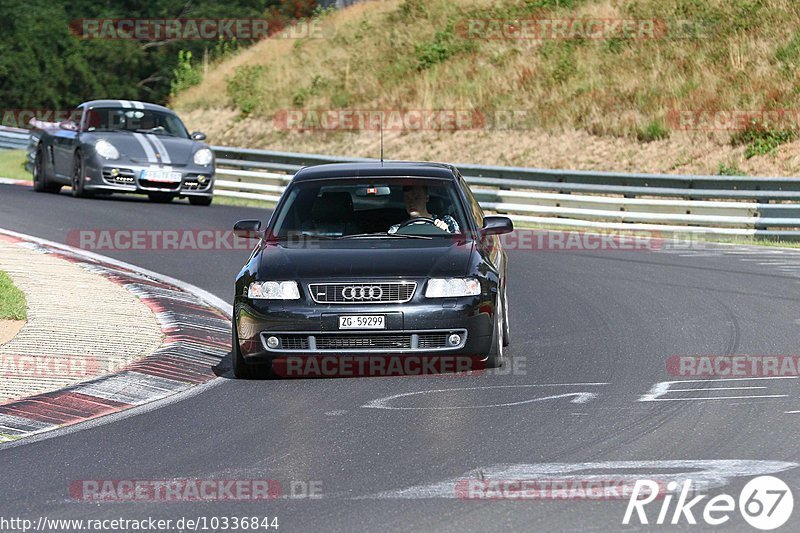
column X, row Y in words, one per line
column 477, row 211
column 76, row 116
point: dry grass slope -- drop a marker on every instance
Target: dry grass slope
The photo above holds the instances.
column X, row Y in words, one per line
column 589, row 103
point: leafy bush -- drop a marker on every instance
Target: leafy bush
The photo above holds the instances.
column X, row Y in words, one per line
column 761, row 140
column 654, row 131
column 244, row 86
column 445, row 44
column 184, row 75
column 732, row 170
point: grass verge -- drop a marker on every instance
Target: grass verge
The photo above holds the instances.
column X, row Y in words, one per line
column 12, row 300
column 12, row 165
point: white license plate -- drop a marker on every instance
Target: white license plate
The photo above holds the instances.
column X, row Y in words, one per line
column 165, row 176
column 362, row 322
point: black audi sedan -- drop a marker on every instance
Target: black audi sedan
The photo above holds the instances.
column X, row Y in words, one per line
column 377, row 259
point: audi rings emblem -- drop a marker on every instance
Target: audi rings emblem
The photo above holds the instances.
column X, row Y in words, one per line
column 362, row 293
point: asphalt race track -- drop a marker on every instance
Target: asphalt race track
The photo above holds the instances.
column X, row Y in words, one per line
column 591, row 334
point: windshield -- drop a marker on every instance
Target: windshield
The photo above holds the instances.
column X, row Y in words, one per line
column 371, row 208
column 135, row 120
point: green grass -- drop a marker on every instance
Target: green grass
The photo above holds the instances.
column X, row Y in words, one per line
column 12, row 300
column 12, row 165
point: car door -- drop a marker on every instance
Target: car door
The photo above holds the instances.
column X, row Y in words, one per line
column 490, row 245
column 65, row 139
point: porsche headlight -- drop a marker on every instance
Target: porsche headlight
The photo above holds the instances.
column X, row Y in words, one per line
column 452, row 287
column 203, row 157
column 106, row 150
column 273, row 290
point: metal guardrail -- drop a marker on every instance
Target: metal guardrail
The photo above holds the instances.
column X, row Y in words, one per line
column 716, row 205
column 14, row 138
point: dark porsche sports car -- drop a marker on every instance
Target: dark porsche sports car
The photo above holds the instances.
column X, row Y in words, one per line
column 388, row 259
column 113, row 146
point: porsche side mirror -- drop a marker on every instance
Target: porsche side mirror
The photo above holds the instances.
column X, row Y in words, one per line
column 198, row 136
column 68, row 125
column 496, row 225
column 248, row 229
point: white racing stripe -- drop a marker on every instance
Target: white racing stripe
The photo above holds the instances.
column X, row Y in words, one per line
column 148, row 150
column 160, row 147
column 137, row 105
column 126, row 104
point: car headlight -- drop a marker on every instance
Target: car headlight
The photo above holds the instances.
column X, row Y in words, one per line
column 273, row 290
column 452, row 287
column 203, row 157
column 106, row 149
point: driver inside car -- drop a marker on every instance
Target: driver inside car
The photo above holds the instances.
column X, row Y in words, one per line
column 416, row 198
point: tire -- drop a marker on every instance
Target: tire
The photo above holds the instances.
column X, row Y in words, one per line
column 78, row 184
column 200, row 200
column 496, row 356
column 40, row 175
column 242, row 369
column 160, row 197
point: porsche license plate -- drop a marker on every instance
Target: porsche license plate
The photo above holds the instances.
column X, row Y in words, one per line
column 164, row 176
column 362, row 322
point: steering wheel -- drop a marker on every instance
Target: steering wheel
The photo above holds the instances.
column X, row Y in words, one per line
column 414, row 220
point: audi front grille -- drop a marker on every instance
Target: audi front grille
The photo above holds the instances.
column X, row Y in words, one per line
column 363, row 293
column 384, row 341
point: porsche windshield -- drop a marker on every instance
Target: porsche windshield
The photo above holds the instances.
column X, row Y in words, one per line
column 135, row 120
column 371, row 208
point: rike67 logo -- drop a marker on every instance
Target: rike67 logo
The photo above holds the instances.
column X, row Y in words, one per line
column 765, row 503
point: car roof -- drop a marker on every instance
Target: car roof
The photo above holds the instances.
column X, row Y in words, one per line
column 132, row 104
column 377, row 169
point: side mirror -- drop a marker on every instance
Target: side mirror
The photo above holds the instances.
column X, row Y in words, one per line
column 495, row 225
column 198, row 136
column 68, row 125
column 248, row 229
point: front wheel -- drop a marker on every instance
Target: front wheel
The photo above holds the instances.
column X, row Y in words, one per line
column 200, row 200
column 496, row 357
column 241, row 368
column 79, row 178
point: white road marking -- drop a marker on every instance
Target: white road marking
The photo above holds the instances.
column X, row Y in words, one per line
column 578, row 397
column 664, row 387
column 705, row 474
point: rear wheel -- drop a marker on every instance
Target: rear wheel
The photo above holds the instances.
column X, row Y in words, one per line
column 78, row 178
column 40, row 177
column 200, row 200
column 160, row 197
column 242, row 369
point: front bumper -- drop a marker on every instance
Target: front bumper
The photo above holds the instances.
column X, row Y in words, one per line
column 126, row 177
column 413, row 328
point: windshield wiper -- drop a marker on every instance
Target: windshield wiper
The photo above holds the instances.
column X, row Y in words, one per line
column 382, row 234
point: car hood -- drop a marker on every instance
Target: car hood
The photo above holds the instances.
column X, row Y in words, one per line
column 365, row 258
column 146, row 148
